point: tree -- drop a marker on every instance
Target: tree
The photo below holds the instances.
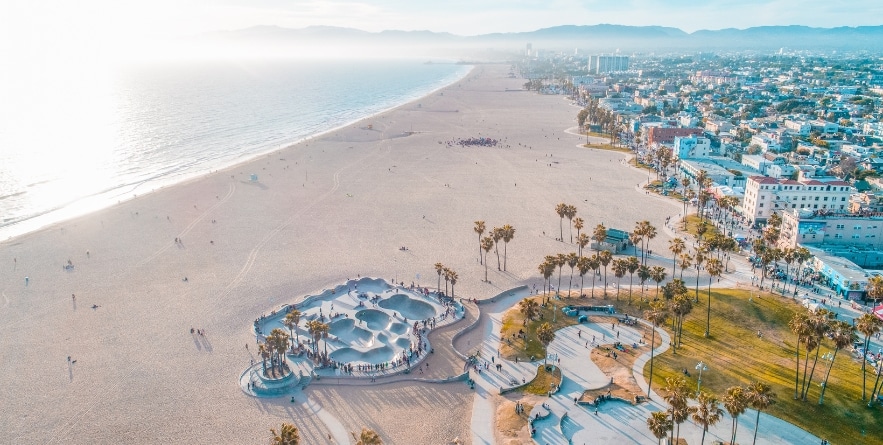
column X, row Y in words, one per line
column 799, row 325
column 819, row 323
column 868, row 325
column 582, row 265
column 659, row 425
column 508, row 234
column 570, row 213
column 685, row 260
column 656, row 315
column 657, row 273
column 698, row 259
column 842, row 334
column 446, row 274
column 439, row 268
column 291, row 321
column 680, row 306
column 706, row 412
column 497, row 235
column 277, row 344
column 714, row 268
column 265, row 354
column 599, row 235
column 632, row 265
column 314, row 328
column 594, row 263
column 479, row 229
column 676, row 394
column 561, row 209
column 545, row 334
column 560, row 261
column 287, row 435
column 453, row 277
column 582, row 240
column 760, row 397
column 875, row 288
column 644, row 274
column 487, row 243
column 736, row 401
column 605, row 257
column 578, row 224
column 367, row 437
column 675, row 246
column 529, row 308
column 572, row 259
column 620, row 266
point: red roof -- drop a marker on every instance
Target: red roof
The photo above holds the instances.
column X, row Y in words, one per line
column 878, row 311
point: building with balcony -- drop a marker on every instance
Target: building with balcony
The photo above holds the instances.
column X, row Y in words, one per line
column 765, row 195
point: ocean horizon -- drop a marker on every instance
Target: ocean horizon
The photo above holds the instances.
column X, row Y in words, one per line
column 75, row 144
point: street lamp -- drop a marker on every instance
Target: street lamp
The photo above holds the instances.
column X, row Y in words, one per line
column 700, row 367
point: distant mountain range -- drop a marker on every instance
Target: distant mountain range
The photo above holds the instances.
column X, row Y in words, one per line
column 590, row 37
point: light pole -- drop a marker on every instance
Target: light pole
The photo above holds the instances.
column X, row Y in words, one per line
column 700, row 367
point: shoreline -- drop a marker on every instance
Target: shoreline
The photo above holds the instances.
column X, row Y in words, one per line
column 100, row 200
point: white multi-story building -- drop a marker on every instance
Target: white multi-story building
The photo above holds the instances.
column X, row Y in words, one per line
column 800, row 127
column 765, row 196
column 691, row 147
column 765, row 143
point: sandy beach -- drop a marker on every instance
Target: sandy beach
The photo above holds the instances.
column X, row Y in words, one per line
column 322, row 211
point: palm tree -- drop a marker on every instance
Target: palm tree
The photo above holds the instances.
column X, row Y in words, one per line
column 529, row 308
column 675, row 246
column 714, row 268
column 439, row 267
column 582, row 265
column 648, row 232
column 487, row 243
column 479, row 229
column 572, row 259
column 735, row 402
column 760, row 397
column 706, row 412
column 685, row 260
column 819, row 322
column 546, row 269
column 676, row 394
column 561, row 209
column 681, row 306
column 367, row 437
column 698, row 259
column 326, row 329
column 265, row 354
column 570, row 213
column 875, row 288
column 842, row 334
column 594, row 264
column 291, row 321
column 508, row 234
column 497, row 235
column 799, row 325
column 545, row 334
column 578, row 224
column 620, row 266
column 314, row 327
column 453, row 277
column 868, row 325
column 287, row 435
column 657, row 273
column 599, row 235
column 659, row 425
column 635, row 238
column 632, row 265
column 656, row 315
column 560, row 261
column 277, row 344
column 446, row 274
column 605, row 257
column 582, row 240
column 644, row 274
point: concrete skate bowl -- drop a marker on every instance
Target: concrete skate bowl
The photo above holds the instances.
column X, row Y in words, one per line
column 408, row 307
column 375, row 320
column 371, row 356
column 347, row 332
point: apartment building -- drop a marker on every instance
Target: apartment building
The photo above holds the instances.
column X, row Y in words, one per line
column 765, row 196
column 666, row 135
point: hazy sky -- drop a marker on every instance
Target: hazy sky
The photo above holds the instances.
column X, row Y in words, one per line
column 129, row 25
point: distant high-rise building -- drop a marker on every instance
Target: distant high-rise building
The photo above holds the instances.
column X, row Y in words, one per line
column 529, row 48
column 601, row 64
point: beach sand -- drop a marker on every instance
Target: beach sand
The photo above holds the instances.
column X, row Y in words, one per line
column 321, row 211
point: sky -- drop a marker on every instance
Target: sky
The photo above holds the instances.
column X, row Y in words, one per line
column 63, row 26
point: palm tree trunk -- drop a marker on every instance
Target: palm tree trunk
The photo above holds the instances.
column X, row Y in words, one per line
column 485, row 271
column 708, row 313
column 559, row 280
column 874, row 388
column 825, row 384
column 593, row 284
column 570, row 286
column 805, row 366
column 864, row 361
column 479, row 249
column 631, row 276
column 582, row 279
column 702, row 442
column 561, row 229
column 811, row 374
column 497, row 251
column 505, row 254
column 797, row 370
column 735, row 425
column 756, row 424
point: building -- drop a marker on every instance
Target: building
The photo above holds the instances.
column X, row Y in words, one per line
column 667, row 135
column 765, row 196
column 814, row 228
column 781, row 170
column 800, row 127
column 847, row 278
column 719, row 175
column 691, row 147
column 608, row 64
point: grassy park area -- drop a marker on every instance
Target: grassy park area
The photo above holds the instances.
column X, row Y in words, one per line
column 736, row 355
column 547, row 376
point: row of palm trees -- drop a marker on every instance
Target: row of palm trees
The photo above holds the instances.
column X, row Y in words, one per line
column 707, row 411
column 492, row 241
column 595, row 114
column 273, row 348
column 449, row 275
column 289, row 434
column 278, row 342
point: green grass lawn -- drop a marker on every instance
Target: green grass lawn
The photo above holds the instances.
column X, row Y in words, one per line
column 542, row 382
column 607, row 147
column 736, row 355
column 693, row 222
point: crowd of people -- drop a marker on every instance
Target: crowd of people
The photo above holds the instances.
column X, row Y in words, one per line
column 474, row 142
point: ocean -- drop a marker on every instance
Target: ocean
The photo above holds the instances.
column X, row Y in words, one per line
column 76, row 140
